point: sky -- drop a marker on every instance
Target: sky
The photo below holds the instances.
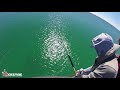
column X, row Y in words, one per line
column 111, row 17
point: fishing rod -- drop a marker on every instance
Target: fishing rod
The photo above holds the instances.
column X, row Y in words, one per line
column 69, row 56
column 70, row 59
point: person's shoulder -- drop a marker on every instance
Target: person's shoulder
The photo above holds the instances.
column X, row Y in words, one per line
column 113, row 64
column 107, row 69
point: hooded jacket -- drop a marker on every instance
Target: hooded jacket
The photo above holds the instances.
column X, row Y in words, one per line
column 104, row 67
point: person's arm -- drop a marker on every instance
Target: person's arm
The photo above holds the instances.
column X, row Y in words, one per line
column 103, row 71
column 85, row 71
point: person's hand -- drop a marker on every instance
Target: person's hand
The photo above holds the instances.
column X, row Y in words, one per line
column 78, row 72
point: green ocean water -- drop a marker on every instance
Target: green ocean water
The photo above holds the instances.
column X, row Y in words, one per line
column 32, row 43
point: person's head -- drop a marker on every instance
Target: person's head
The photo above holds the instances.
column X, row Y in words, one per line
column 103, row 43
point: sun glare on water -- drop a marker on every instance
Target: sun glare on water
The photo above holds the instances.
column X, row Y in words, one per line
column 54, row 40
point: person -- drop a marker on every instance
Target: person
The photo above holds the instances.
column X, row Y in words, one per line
column 119, row 41
column 118, row 58
column 106, row 64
